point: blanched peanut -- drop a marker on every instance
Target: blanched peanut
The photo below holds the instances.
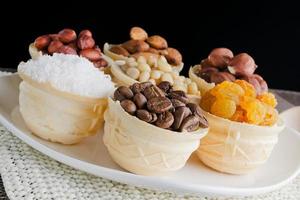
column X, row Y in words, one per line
column 152, row 81
column 155, row 74
column 144, row 67
column 163, row 65
column 192, row 88
column 144, row 76
column 141, row 60
column 179, row 87
column 133, row 72
column 131, row 59
column 178, row 82
column 167, row 77
column 187, row 81
column 152, row 61
column 174, row 74
column 132, row 64
column 182, row 78
column 124, row 67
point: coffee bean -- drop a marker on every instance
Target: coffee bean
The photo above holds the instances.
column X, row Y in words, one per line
column 153, row 91
column 159, row 104
column 123, row 93
column 191, row 123
column 179, row 115
column 128, row 106
column 164, row 120
column 144, row 115
column 165, row 86
column 179, row 95
column 139, row 100
column 176, row 103
column 139, row 87
column 203, row 123
column 154, row 117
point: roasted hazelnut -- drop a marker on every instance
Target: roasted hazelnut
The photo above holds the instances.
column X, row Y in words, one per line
column 219, row 77
column 42, row 42
column 220, row 57
column 85, row 32
column 100, row 63
column 91, row 54
column 54, row 46
column 85, row 42
column 242, row 64
column 173, row 56
column 137, row 33
column 65, row 49
column 67, row 35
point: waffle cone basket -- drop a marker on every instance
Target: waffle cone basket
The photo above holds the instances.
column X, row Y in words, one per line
column 59, row 116
column 143, row 148
column 201, row 83
column 237, row 148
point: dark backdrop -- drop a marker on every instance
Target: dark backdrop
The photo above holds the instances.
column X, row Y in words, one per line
column 269, row 32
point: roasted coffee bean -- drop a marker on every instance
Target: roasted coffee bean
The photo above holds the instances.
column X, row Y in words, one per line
column 165, row 86
column 140, row 87
column 144, row 115
column 123, row 93
column 197, row 112
column 159, row 104
column 191, row 123
column 154, row 117
column 179, row 115
column 164, row 120
column 139, row 100
column 203, row 123
column 176, row 103
column 153, row 91
column 179, row 95
column 128, row 106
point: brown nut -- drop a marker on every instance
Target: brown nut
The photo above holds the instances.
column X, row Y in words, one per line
column 206, row 64
column 262, row 82
column 220, row 57
column 73, row 45
column 242, row 64
column 100, row 63
column 219, row 77
column 157, row 42
column 253, row 81
column 91, row 54
column 119, row 50
column 54, row 46
column 54, row 36
column 206, row 73
column 65, row 49
column 67, row 35
column 154, row 51
column 42, row 42
column 85, row 32
column 134, row 46
column 85, row 42
column 137, row 33
column 173, row 56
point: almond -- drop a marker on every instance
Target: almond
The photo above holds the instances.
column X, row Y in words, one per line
column 173, row 56
column 157, row 42
column 119, row 50
column 134, row 46
column 146, row 55
column 137, row 33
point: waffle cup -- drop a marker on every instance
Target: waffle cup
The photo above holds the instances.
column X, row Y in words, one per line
column 143, row 148
column 237, row 148
column 202, row 84
column 59, row 116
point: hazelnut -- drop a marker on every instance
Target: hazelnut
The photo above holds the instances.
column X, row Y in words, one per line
column 242, row 64
column 85, row 32
column 137, row 33
column 258, row 83
column 205, row 64
column 67, row 35
column 220, row 57
column 91, row 54
column 54, row 46
column 54, row 36
column 134, row 46
column 85, row 42
column 157, row 42
column 119, row 50
column 100, row 63
column 173, row 57
column 42, row 42
column 67, row 50
column 219, row 77
column 73, row 45
column 262, row 82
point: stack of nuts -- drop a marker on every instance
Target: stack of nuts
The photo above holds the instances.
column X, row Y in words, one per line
column 67, row 42
column 150, row 59
column 161, row 106
column 221, row 65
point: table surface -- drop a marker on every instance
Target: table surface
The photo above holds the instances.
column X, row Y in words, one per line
column 286, row 99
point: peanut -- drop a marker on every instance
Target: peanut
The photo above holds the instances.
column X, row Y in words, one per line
column 173, row 56
column 157, row 42
column 85, row 42
column 134, row 46
column 119, row 50
column 144, row 76
column 91, row 54
column 133, row 72
column 163, row 65
column 167, row 77
column 42, row 42
column 54, row 46
column 137, row 33
column 67, row 35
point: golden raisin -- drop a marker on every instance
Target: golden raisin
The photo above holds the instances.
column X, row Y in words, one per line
column 228, row 90
column 223, row 108
column 271, row 116
column 268, row 98
column 206, row 101
column 255, row 110
column 247, row 87
column 239, row 115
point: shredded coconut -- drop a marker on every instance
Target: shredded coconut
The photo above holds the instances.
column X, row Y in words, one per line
column 69, row 73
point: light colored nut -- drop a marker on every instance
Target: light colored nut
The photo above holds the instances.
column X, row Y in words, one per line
column 173, row 56
column 146, row 55
column 192, row 88
column 42, row 42
column 163, row 65
column 152, row 81
column 120, row 62
column 137, row 33
column 178, row 82
column 155, row 74
column 132, row 64
column 134, row 46
column 179, row 87
column 167, row 77
column 119, row 50
column 157, row 42
column 152, row 61
column 141, row 60
column 182, row 78
column 174, row 74
column 144, row 67
column 144, row 76
column 124, row 67
column 131, row 59
column 133, row 72
column 187, row 80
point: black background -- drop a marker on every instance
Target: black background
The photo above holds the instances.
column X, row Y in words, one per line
column 269, row 32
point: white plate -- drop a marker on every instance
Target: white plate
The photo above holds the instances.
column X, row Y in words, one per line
column 194, row 178
column 291, row 118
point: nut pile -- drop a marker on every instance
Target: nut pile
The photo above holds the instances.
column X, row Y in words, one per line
column 67, row 42
column 221, row 65
column 239, row 102
column 150, row 59
column 161, row 106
